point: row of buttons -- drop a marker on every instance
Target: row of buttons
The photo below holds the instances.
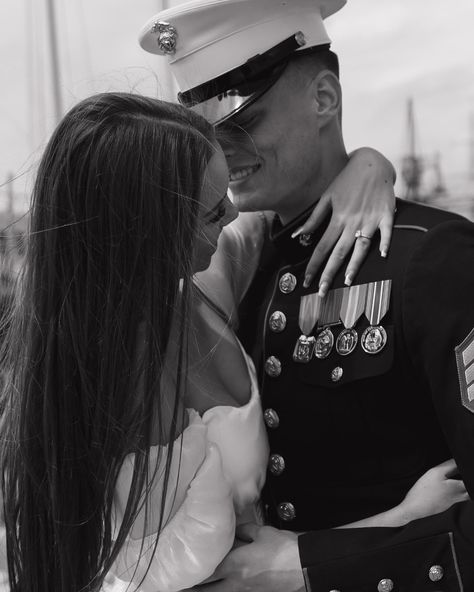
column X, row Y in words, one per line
column 435, row 574
column 285, row 510
column 277, row 323
column 273, row 368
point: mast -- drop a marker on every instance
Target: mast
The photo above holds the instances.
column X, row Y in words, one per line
column 471, row 146
column 411, row 163
column 53, row 46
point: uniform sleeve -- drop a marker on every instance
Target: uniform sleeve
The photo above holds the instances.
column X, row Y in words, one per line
column 437, row 552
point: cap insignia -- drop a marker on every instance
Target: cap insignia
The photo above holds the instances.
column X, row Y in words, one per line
column 167, row 36
column 300, row 38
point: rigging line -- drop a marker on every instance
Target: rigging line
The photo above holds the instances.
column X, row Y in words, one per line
column 35, row 76
column 64, row 37
column 30, row 73
column 40, row 74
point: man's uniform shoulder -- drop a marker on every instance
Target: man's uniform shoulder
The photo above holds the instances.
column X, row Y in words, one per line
column 413, row 215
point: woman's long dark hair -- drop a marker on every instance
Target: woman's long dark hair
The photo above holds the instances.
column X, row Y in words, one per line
column 110, row 250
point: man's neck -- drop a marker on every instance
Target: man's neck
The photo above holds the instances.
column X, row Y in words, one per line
column 297, row 204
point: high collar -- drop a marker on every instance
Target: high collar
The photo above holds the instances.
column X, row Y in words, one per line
column 295, row 249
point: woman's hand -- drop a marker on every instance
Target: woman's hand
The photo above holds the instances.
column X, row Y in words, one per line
column 361, row 198
column 434, row 492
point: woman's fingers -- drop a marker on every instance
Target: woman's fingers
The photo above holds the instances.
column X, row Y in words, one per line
column 448, row 468
column 317, row 216
column 341, row 239
column 385, row 227
column 359, row 253
column 341, row 245
column 328, row 241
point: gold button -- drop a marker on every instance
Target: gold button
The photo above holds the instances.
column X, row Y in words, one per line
column 276, row 464
column 273, row 366
column 436, row 573
column 286, row 511
column 336, row 374
column 271, row 418
column 287, row 283
column 277, row 321
column 385, row 585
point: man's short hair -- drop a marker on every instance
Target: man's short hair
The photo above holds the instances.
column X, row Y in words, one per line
column 318, row 59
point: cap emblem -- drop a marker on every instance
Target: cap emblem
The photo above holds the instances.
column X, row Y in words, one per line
column 167, row 36
column 300, row 38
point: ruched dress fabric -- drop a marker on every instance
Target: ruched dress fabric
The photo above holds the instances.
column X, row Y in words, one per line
column 221, row 458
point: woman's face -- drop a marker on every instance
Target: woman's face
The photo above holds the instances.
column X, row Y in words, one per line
column 215, row 209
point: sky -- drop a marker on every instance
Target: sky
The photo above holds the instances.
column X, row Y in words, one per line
column 390, row 50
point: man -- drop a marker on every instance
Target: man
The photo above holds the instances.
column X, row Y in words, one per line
column 366, row 390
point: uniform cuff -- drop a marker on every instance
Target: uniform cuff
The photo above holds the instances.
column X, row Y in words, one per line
column 422, row 565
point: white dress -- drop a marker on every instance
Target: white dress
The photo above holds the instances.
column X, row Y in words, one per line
column 219, row 461
column 222, row 459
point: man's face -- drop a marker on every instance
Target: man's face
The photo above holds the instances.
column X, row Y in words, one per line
column 272, row 148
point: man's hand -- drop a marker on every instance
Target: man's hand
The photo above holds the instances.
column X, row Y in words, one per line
column 268, row 561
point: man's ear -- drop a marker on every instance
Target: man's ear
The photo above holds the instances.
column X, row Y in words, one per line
column 327, row 93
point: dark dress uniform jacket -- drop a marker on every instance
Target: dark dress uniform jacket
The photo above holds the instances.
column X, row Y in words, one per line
column 350, row 434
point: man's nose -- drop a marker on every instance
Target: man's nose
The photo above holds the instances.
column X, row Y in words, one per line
column 227, row 144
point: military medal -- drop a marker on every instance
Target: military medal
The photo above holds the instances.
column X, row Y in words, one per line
column 310, row 309
column 346, row 342
column 374, row 338
column 303, row 351
column 324, row 344
column 331, row 308
column 352, row 306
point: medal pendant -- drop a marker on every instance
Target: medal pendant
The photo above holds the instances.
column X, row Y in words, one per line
column 346, row 342
column 324, row 344
column 374, row 339
column 303, row 351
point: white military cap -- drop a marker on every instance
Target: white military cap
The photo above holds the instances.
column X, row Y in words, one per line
column 224, row 54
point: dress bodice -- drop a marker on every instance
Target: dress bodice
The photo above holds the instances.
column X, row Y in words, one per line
column 217, row 471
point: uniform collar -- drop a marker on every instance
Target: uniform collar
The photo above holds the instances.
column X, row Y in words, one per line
column 299, row 248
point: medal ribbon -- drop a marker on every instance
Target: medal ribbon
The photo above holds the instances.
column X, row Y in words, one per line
column 353, row 304
column 310, row 309
column 331, row 307
column 377, row 302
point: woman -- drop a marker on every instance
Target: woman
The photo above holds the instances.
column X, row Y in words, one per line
column 107, row 438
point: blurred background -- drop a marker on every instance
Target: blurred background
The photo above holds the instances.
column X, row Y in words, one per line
column 407, row 74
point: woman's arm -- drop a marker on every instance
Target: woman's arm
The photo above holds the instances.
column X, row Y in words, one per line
column 361, row 198
column 434, row 492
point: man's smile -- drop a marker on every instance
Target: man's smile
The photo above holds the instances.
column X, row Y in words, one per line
column 239, row 173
